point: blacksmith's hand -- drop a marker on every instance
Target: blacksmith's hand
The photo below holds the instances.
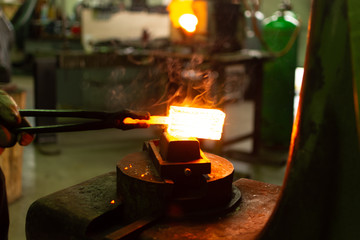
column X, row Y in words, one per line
column 10, row 119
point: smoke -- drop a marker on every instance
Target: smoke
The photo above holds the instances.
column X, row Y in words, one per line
column 138, row 89
column 189, row 84
column 153, row 85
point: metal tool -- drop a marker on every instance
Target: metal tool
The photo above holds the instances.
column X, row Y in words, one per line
column 190, row 122
column 103, row 120
column 181, row 122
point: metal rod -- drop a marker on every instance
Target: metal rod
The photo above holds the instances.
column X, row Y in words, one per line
column 153, row 120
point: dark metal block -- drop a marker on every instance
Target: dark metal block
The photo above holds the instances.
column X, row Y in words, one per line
column 78, row 212
column 171, row 170
column 173, row 149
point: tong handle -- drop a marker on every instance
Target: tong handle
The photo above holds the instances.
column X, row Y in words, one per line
column 64, row 113
column 106, row 120
column 75, row 127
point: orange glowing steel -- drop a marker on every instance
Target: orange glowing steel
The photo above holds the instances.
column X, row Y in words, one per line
column 196, row 122
column 181, row 14
column 153, row 120
column 189, row 122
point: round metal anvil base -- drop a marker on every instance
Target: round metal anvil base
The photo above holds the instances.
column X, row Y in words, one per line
column 145, row 193
column 214, row 211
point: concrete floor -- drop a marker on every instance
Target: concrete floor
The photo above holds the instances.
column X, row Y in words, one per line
column 88, row 154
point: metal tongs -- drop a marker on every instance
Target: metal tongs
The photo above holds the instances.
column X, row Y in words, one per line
column 181, row 121
column 103, row 120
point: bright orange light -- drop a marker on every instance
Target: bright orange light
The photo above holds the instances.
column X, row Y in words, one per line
column 188, row 22
column 112, row 201
column 181, row 14
column 189, row 122
column 196, row 122
column 152, row 120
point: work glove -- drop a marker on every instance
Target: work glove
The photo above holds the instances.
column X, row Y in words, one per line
column 10, row 120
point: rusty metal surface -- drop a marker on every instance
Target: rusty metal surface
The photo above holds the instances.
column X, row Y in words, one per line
column 144, row 192
column 69, row 213
column 257, row 203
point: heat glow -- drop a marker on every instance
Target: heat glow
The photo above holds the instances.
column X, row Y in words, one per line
column 188, row 22
column 182, row 15
column 189, row 122
column 195, row 122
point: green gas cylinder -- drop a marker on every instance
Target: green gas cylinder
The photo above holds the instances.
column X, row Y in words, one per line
column 280, row 36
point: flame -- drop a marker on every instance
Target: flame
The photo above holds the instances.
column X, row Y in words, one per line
column 189, row 122
column 181, row 14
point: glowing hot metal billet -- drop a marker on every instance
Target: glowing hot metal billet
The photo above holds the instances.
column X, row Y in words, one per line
column 190, row 122
column 196, row 122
